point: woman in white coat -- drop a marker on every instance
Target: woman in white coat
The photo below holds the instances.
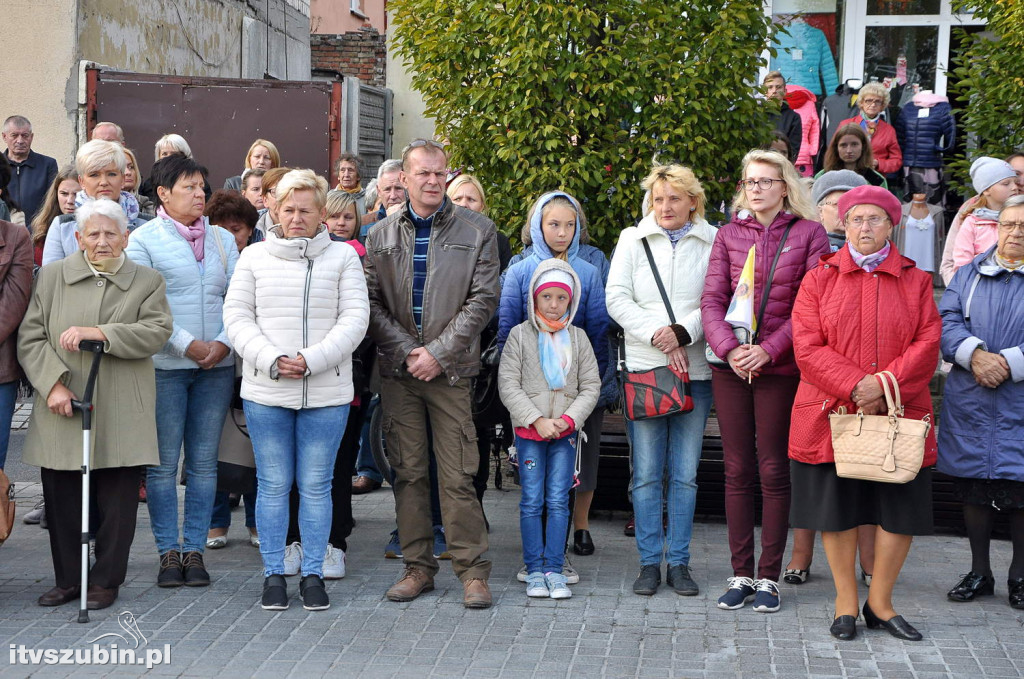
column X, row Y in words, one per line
column 680, row 242
column 296, row 310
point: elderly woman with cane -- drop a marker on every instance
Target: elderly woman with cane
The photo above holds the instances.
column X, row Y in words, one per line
column 100, row 295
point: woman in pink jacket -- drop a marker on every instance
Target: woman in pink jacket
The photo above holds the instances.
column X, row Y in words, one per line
column 754, row 391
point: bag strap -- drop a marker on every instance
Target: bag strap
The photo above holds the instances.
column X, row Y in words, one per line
column 768, row 283
column 220, row 248
column 657, row 279
column 892, row 394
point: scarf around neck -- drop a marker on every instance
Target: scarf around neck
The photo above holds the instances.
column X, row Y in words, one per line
column 194, row 233
column 554, row 347
column 870, row 262
column 104, row 267
column 986, row 214
column 127, row 201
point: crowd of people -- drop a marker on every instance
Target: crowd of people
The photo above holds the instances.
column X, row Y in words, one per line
column 281, row 308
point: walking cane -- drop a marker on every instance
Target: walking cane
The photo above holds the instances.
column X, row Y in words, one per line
column 85, row 405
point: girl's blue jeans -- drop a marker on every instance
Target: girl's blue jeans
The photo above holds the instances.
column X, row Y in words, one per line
column 545, row 472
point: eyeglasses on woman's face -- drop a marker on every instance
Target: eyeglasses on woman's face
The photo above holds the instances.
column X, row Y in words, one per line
column 1010, row 227
column 764, row 184
column 874, row 221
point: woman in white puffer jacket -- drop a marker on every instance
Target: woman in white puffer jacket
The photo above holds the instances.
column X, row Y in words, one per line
column 296, row 310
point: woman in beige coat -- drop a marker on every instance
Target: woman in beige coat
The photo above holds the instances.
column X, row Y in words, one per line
column 101, row 295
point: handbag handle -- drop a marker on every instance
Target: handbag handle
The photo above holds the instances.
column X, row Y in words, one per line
column 892, row 395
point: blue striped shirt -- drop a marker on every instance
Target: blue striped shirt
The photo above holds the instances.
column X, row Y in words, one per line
column 419, row 261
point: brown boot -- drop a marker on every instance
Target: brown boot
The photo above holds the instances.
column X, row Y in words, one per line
column 97, row 598
column 363, row 485
column 476, row 594
column 413, row 583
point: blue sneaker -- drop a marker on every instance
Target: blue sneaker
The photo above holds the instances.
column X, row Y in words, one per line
column 741, row 590
column 536, row 585
column 394, row 548
column 440, row 544
column 767, row 599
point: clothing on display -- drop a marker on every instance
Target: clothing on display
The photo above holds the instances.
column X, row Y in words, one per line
column 805, row 58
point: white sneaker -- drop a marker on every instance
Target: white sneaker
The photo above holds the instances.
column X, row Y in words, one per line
column 334, row 564
column 293, row 558
column 36, row 514
column 571, row 576
column 521, row 575
column 536, row 586
column 558, row 588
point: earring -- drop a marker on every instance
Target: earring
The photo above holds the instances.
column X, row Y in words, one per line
column 692, row 209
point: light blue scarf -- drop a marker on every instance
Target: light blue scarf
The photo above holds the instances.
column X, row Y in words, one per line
column 127, row 201
column 555, row 349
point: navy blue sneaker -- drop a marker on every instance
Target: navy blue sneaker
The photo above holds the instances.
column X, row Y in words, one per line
column 767, row 599
column 741, row 590
column 394, row 548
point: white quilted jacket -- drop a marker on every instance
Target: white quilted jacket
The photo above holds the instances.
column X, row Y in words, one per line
column 297, row 296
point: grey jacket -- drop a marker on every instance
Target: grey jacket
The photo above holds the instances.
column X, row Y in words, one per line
column 459, row 297
column 521, row 383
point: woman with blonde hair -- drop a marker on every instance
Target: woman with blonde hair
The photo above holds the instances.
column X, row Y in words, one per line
column 466, row 190
column 872, row 100
column 754, row 380
column 262, row 155
column 670, row 245
column 132, row 182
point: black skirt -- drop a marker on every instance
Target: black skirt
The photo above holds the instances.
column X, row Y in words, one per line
column 821, row 500
column 1003, row 494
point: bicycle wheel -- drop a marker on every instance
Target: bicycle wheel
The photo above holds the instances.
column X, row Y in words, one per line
column 377, row 445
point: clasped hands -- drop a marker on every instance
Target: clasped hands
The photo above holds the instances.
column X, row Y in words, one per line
column 550, row 428
column 869, row 396
column 665, row 341
column 422, row 365
column 746, row 360
column 207, row 354
column 989, row 369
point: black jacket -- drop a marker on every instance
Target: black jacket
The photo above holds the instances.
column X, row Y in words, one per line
column 30, row 181
column 788, row 122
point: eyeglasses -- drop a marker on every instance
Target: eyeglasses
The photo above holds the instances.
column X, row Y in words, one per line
column 1010, row 227
column 874, row 221
column 877, row 102
column 830, row 203
column 417, row 143
column 764, row 184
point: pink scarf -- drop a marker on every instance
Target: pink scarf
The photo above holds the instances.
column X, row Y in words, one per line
column 195, row 233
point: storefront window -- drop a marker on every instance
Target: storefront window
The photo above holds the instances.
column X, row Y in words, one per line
column 901, row 55
column 903, row 7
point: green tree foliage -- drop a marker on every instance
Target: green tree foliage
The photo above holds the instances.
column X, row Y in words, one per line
column 991, row 80
column 536, row 95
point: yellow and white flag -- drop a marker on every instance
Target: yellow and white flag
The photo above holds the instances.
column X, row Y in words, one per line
column 741, row 309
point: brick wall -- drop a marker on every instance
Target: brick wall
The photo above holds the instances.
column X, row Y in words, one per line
column 361, row 54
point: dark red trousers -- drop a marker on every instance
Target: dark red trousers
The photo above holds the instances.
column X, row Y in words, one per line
column 754, row 420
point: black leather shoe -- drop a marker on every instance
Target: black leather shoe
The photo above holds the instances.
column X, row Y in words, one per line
column 844, row 628
column 170, row 574
column 58, row 596
column 582, row 544
column 1016, row 588
column 973, row 585
column 194, row 570
column 647, row 581
column 678, row 578
column 896, row 625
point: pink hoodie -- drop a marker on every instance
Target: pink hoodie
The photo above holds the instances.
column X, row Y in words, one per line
column 801, row 100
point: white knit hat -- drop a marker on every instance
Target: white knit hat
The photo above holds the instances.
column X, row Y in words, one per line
column 987, row 171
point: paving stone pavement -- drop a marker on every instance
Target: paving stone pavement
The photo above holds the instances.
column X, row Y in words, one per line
column 604, row 630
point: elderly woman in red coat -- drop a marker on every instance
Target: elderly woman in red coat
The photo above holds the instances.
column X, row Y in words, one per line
column 864, row 310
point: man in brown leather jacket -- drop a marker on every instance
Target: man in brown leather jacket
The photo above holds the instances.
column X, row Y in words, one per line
column 432, row 278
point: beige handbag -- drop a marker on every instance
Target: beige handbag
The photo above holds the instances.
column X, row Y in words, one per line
column 886, row 448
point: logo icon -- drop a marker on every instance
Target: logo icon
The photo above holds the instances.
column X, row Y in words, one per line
column 126, row 620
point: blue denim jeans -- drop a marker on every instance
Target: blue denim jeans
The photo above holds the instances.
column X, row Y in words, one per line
column 365, row 464
column 8, row 398
column 294, row 446
column 545, row 474
column 668, row 444
column 221, row 517
column 191, row 405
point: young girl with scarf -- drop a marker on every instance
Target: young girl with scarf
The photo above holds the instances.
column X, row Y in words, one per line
column 549, row 381
column 995, row 181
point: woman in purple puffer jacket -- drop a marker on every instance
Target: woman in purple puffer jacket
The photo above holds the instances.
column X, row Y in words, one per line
column 754, row 387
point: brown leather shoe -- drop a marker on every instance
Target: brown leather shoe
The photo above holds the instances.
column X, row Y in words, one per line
column 363, row 485
column 476, row 594
column 413, row 583
column 58, row 596
column 97, row 597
